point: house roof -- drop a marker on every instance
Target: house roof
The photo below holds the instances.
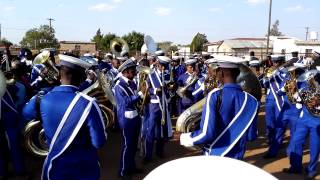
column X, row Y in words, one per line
column 214, row 43
column 76, row 42
column 309, row 43
column 250, row 39
column 248, row 43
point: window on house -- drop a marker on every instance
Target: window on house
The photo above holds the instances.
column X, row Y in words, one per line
column 308, row 52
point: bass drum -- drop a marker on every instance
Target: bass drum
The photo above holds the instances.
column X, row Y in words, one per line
column 189, row 120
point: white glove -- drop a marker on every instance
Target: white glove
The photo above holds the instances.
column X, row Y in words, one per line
column 185, row 140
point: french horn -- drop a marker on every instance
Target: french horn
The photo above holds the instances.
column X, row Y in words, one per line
column 189, row 120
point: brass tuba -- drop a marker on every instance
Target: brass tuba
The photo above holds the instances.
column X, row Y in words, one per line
column 52, row 74
column 189, row 120
column 34, row 136
column 119, row 46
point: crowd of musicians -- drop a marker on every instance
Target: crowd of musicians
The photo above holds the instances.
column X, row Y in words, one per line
column 75, row 129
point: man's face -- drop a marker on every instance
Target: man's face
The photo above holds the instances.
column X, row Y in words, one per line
column 161, row 67
column 174, row 63
column 131, row 73
column 190, row 68
column 212, row 72
column 219, row 74
column 115, row 63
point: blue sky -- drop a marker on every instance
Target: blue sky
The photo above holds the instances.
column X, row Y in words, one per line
column 174, row 20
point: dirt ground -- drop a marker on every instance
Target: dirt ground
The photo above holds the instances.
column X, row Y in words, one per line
column 110, row 156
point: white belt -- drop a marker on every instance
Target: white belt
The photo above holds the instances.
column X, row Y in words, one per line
column 131, row 114
column 154, row 101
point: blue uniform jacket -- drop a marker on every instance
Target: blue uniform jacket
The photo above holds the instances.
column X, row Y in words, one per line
column 104, row 65
column 156, row 106
column 199, row 89
column 177, row 71
column 214, row 122
column 182, row 81
column 126, row 102
column 82, row 152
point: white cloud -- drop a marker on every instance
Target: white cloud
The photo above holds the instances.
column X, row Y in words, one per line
column 294, row 8
column 9, row 8
column 102, row 7
column 116, row 1
column 215, row 9
column 162, row 11
column 255, row 2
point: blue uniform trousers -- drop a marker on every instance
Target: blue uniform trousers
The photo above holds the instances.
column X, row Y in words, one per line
column 9, row 143
column 307, row 125
column 130, row 135
column 154, row 132
column 275, row 127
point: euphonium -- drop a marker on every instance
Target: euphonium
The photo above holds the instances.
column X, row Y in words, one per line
column 268, row 72
column 182, row 90
column 291, row 90
column 119, row 46
column 210, row 83
column 52, row 74
column 144, row 71
column 308, row 93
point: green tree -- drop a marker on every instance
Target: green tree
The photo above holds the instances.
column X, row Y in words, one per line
column 135, row 40
column 5, row 42
column 98, row 39
column 274, row 31
column 39, row 38
column 198, row 41
column 106, row 40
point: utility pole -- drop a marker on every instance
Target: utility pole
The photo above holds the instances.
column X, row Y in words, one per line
column 269, row 24
column 50, row 19
column 0, row 31
column 307, row 32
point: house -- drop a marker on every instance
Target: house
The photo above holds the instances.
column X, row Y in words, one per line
column 286, row 45
column 213, row 47
column 243, row 46
column 78, row 47
column 184, row 50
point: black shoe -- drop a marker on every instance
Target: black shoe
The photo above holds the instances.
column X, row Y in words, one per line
column 290, row 171
column 146, row 161
column 136, row 171
column 268, row 156
column 311, row 176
